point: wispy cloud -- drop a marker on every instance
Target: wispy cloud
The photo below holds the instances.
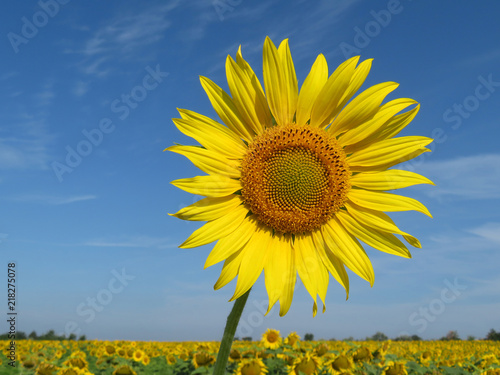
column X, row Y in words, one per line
column 132, row 241
column 123, row 37
column 80, row 88
column 25, row 141
column 46, row 95
column 469, row 177
column 476, row 60
column 19, row 153
column 490, row 231
column 52, row 199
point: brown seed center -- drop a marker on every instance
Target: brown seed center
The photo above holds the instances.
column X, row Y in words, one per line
column 294, row 178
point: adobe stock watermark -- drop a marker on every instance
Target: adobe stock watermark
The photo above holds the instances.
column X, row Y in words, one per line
column 428, row 313
column 461, row 111
column 121, row 107
column 363, row 36
column 223, row 7
column 31, row 26
column 88, row 310
column 455, row 115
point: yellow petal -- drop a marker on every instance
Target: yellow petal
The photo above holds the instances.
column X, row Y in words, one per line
column 210, row 186
column 225, row 108
column 389, row 130
column 230, row 269
column 385, row 154
column 289, row 277
column 307, row 264
column 358, row 77
column 248, row 97
column 331, row 262
column 280, row 82
column 208, row 161
column 280, row 273
column 357, row 80
column 385, row 113
column 232, row 243
column 215, row 229
column 379, row 221
column 362, row 108
column 255, row 254
column 290, row 79
column 211, row 134
column 390, row 179
column 328, row 100
column 345, row 246
column 381, row 201
column 382, row 241
column 311, row 269
column 311, row 88
column 209, row 209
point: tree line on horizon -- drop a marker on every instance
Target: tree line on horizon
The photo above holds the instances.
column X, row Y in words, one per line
column 379, row 336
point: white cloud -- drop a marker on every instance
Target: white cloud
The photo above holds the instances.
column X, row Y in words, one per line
column 132, row 241
column 468, row 177
column 18, row 153
column 122, row 37
column 46, row 95
column 480, row 59
column 25, row 141
column 80, row 88
column 53, row 200
column 489, row 231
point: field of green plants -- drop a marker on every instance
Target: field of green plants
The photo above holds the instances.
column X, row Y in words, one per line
column 272, row 355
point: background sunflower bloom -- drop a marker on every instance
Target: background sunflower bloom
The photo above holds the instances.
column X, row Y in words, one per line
column 295, row 179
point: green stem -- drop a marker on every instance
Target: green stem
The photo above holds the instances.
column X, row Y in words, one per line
column 227, row 339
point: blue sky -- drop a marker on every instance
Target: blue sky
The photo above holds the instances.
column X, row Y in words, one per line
column 87, row 93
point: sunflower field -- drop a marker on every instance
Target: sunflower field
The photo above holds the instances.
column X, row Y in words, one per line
column 272, row 355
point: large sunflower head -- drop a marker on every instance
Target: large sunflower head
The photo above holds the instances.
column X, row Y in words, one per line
column 296, row 178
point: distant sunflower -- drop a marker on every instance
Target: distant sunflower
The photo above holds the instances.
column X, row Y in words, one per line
column 395, row 368
column 124, row 370
column 202, row 359
column 138, row 355
column 251, row 366
column 271, row 339
column 292, row 339
column 306, row 363
column 296, row 178
column 340, row 364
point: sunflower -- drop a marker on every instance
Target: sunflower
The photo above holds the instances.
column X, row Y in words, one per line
column 124, row 370
column 202, row 359
column 45, row 368
column 138, row 355
column 363, row 353
column 271, row 339
column 295, row 179
column 340, row 364
column 146, row 360
column 78, row 362
column 307, row 364
column 292, row 339
column 234, row 355
column 395, row 368
column 252, row 366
